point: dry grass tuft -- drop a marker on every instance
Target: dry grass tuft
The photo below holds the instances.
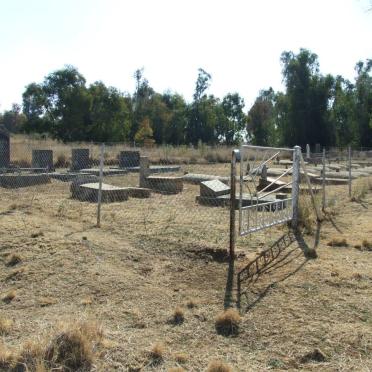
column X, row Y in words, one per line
column 157, row 352
column 191, row 303
column 5, row 326
column 9, row 296
column 70, row 349
column 87, row 301
column 218, row 366
column 15, row 274
column 306, row 218
column 32, row 355
column 367, row 245
column 47, row 301
column 7, row 358
column 176, row 369
column 178, row 315
column 37, row 234
column 181, row 357
column 73, row 346
column 360, row 189
column 227, row 323
column 313, row 356
column 13, row 259
column 338, row 242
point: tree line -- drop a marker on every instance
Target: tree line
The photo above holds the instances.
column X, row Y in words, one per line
column 314, row 108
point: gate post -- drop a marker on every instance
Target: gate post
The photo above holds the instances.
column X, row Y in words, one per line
column 295, row 185
column 233, row 203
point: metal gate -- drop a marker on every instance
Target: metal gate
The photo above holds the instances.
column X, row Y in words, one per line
column 268, row 187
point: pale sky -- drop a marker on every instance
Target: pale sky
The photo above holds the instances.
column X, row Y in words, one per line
column 238, row 42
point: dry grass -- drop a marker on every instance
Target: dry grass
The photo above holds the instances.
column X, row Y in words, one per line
column 47, row 301
column 9, row 296
column 176, row 369
column 227, row 323
column 70, row 349
column 7, row 358
column 360, row 188
column 5, row 325
column 313, row 356
column 181, row 357
column 191, row 303
column 15, row 274
column 338, row 242
column 157, row 352
column 218, row 366
column 304, row 307
column 22, row 148
column 306, row 217
column 87, row 300
column 367, row 245
column 13, row 259
column 178, row 316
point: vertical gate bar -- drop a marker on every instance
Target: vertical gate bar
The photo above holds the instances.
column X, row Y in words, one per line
column 241, row 153
column 100, row 185
column 295, row 185
column 232, row 203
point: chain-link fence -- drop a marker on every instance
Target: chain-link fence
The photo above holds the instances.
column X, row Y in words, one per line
column 168, row 196
column 159, row 196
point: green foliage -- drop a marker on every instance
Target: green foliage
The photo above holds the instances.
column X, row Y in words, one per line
column 144, row 131
column 261, row 119
column 13, row 120
column 312, row 109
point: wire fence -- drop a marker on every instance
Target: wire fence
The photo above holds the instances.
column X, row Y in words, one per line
column 172, row 196
column 145, row 195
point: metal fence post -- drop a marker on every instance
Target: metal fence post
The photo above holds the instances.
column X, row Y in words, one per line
column 295, row 185
column 100, row 185
column 323, row 180
column 232, row 203
column 350, row 171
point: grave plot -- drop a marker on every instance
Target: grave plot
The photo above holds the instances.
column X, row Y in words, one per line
column 13, row 181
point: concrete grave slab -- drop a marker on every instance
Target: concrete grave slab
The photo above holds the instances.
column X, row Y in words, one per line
column 12, row 181
column 110, row 193
column 213, row 188
column 166, row 185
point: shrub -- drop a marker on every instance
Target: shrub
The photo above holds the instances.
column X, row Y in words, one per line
column 227, row 323
column 178, row 315
column 157, row 352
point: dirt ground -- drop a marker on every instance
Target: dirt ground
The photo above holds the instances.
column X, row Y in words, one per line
column 153, row 255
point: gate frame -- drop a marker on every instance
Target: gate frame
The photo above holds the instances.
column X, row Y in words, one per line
column 295, row 188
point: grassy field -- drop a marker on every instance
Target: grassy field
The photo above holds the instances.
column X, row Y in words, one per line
column 22, row 147
column 142, row 293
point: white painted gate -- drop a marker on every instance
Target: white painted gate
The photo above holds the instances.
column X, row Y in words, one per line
column 268, row 194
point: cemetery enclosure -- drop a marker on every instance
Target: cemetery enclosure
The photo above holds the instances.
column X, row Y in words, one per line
column 157, row 251
column 140, row 265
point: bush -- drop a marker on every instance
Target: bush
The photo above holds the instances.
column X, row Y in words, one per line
column 227, row 323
